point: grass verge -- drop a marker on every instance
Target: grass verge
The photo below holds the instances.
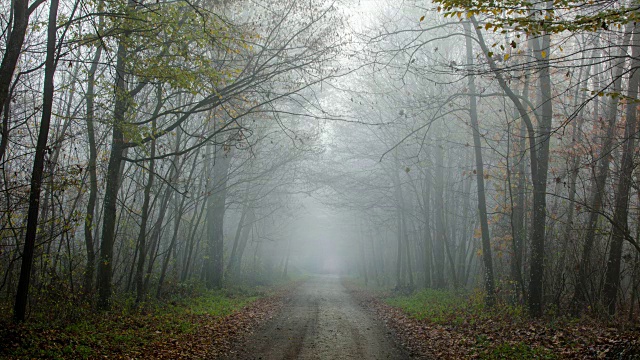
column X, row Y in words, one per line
column 126, row 331
column 449, row 325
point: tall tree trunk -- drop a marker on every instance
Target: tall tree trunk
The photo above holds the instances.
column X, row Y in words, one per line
column 397, row 190
column 38, row 164
column 581, row 293
column 244, row 238
column 482, row 202
column 363, row 257
column 174, row 238
column 191, row 238
column 428, row 241
column 115, row 168
column 438, row 246
column 542, row 51
column 621, row 212
column 405, row 232
column 573, row 170
column 399, row 265
column 154, row 244
column 518, row 208
column 92, row 169
column 464, row 231
column 285, row 270
column 178, row 216
column 539, row 157
column 374, row 259
column 142, row 233
column 216, row 200
column 105, row 262
column 231, row 266
column 635, row 274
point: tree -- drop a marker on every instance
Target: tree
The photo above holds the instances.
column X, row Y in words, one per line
column 38, row 166
column 482, row 205
column 20, row 12
column 621, row 212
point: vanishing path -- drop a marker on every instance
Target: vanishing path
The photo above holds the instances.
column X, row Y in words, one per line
column 321, row 321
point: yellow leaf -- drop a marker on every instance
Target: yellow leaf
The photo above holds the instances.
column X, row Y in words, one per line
column 506, row 57
column 543, row 54
column 422, row 18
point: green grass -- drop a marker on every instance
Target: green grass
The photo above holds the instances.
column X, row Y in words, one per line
column 461, row 311
column 120, row 331
column 221, row 303
column 518, row 350
column 438, row 306
column 447, row 307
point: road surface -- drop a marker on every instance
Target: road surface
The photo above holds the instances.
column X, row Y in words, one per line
column 321, row 321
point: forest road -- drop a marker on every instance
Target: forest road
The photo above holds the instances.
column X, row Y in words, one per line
column 321, row 321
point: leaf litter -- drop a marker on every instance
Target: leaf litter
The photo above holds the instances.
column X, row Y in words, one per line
column 501, row 337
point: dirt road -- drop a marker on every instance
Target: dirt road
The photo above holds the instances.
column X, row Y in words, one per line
column 321, row 321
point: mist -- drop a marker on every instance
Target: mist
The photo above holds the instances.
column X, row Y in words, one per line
column 156, row 151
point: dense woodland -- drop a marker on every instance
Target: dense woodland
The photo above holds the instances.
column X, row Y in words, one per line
column 151, row 147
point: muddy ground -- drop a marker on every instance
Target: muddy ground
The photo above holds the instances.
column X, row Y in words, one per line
column 321, row 321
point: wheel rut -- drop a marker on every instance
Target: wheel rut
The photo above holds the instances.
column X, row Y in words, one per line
column 321, row 321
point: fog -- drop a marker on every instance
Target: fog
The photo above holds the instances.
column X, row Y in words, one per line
column 151, row 146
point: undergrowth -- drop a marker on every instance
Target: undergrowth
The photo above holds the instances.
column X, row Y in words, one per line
column 452, row 308
column 67, row 328
column 442, row 318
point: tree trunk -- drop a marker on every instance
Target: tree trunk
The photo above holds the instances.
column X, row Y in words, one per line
column 537, row 262
column 621, row 211
column 216, row 200
column 573, row 170
column 174, row 238
column 105, row 265
column 285, row 270
column 438, row 246
column 581, row 293
column 38, row 163
column 399, row 274
column 539, row 157
column 244, row 239
column 154, row 244
column 428, row 242
column 93, row 174
column 363, row 257
column 519, row 215
column 407, row 244
column 374, row 260
column 482, row 202
column 142, row 233
column 193, row 229
column 231, row 266
column 464, row 231
column 397, row 190
column 21, row 13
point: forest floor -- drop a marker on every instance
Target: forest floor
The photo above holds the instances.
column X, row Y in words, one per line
column 442, row 325
column 204, row 327
column 321, row 320
column 322, row 317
